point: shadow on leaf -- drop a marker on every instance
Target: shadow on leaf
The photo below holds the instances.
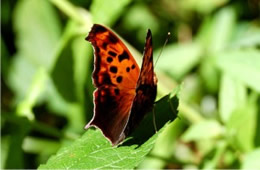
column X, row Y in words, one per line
column 165, row 111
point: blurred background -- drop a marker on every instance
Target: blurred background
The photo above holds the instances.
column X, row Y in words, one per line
column 213, row 54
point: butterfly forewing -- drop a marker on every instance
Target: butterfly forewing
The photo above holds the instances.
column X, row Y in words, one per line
column 115, row 76
column 123, row 94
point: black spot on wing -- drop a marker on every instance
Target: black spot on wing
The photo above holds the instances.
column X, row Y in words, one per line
column 112, row 53
column 123, row 56
column 104, row 45
column 113, row 69
column 112, row 38
column 127, row 69
column 133, row 66
column 105, row 79
column 116, row 91
column 109, row 59
column 119, row 79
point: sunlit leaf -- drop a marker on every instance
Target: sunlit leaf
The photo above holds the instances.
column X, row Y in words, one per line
column 177, row 60
column 134, row 22
column 241, row 126
column 107, row 12
column 243, row 65
column 215, row 33
column 246, row 35
column 251, row 160
column 209, row 74
column 232, row 95
column 202, row 6
column 203, row 130
column 25, row 107
column 20, row 76
column 37, row 32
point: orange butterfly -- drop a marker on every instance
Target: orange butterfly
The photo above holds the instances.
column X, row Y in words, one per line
column 124, row 93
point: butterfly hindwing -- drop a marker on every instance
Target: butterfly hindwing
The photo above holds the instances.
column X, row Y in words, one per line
column 146, row 88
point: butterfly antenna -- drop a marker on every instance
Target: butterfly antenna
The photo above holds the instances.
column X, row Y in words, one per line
column 166, row 41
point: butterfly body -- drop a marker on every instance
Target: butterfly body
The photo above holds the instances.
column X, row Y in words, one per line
column 124, row 92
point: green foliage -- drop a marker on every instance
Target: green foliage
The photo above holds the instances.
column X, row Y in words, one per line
column 231, row 63
column 211, row 62
column 251, row 160
column 93, row 151
column 180, row 59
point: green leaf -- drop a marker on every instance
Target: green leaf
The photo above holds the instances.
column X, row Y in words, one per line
column 107, row 12
column 34, row 145
column 72, row 65
column 246, row 34
column 4, row 59
column 134, row 22
column 65, row 63
column 241, row 126
column 166, row 141
column 82, row 64
column 19, row 128
column 209, row 74
column 20, row 77
column 5, row 145
column 202, row 6
column 37, row 31
column 212, row 163
column 177, row 60
column 93, row 151
column 37, row 34
column 215, row 33
column 64, row 72
column 243, row 65
column 75, row 13
column 232, row 95
column 251, row 160
column 203, row 130
column 222, row 28
column 25, row 107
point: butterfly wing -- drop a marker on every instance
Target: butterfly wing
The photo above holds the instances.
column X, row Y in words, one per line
column 146, row 88
column 115, row 76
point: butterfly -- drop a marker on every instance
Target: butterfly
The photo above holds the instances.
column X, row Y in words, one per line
column 124, row 92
